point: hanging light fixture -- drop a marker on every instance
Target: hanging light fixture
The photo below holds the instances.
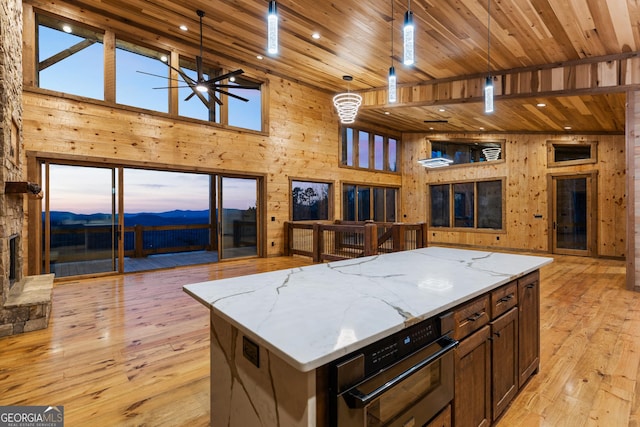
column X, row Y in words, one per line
column 272, row 28
column 408, row 37
column 488, row 86
column 347, row 104
column 393, row 93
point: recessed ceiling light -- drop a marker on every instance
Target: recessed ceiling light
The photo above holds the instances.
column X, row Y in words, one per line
column 315, row 36
column 387, row 113
column 442, row 110
column 567, row 128
column 481, row 128
column 184, row 28
column 164, row 58
column 66, row 28
column 260, row 57
column 431, row 128
column 541, row 104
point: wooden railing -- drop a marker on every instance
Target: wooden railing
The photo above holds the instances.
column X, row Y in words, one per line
column 343, row 240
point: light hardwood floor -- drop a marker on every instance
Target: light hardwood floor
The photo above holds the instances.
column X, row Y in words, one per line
column 133, row 350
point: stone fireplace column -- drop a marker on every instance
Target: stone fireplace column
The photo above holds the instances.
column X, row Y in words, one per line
column 11, row 157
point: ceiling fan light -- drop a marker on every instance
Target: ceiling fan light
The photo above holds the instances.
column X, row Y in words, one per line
column 272, row 28
column 202, row 88
column 408, row 38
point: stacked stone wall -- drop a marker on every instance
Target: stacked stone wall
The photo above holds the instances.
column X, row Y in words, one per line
column 12, row 320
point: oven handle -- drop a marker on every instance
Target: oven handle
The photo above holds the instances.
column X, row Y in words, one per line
column 356, row 399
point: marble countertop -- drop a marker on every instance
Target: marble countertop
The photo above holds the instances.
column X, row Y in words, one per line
column 312, row 315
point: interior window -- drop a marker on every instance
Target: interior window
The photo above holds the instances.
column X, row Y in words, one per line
column 70, row 58
column 363, row 203
column 464, row 152
column 474, row 205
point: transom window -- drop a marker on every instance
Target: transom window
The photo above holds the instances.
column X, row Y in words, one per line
column 467, row 205
column 568, row 153
column 467, row 151
column 310, row 201
column 363, row 202
column 368, row 150
column 71, row 59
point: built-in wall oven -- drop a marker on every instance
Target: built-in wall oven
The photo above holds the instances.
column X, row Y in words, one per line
column 403, row 380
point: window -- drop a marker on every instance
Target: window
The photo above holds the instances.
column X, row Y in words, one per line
column 476, row 205
column 136, row 88
column 464, row 152
column 70, row 58
column 367, row 150
column 362, row 203
column 568, row 153
column 310, row 200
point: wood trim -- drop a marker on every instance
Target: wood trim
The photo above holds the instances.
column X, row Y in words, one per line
column 109, row 66
column 29, row 36
column 632, row 141
column 551, row 144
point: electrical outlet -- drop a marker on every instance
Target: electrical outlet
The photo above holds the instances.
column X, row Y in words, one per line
column 251, row 351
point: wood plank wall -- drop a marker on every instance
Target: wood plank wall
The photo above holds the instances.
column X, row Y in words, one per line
column 526, row 171
column 302, row 142
column 633, row 189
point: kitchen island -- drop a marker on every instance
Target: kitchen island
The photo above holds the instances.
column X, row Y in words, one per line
column 272, row 333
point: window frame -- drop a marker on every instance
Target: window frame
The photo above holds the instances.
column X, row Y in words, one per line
column 373, row 136
column 372, row 201
column 464, row 141
column 330, row 198
column 551, row 150
column 175, row 55
column 476, row 202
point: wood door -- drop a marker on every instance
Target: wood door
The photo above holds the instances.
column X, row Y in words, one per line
column 504, row 361
column 573, row 213
column 528, row 326
column 472, row 394
column 238, row 217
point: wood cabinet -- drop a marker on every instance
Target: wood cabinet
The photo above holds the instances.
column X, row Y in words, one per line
column 504, row 361
column 499, row 349
column 443, row 419
column 472, row 389
column 528, row 326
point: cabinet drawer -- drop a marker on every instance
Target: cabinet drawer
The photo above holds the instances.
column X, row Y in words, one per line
column 470, row 317
column 503, row 299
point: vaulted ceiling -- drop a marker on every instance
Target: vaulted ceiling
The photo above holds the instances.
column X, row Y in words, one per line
column 451, row 43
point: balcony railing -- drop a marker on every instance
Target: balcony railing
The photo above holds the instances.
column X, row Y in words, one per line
column 343, row 240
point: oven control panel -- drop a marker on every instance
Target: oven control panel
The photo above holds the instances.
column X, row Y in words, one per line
column 385, row 352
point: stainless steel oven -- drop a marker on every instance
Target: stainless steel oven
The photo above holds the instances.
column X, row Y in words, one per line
column 403, row 380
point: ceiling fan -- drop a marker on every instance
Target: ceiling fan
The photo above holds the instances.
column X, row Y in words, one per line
column 202, row 86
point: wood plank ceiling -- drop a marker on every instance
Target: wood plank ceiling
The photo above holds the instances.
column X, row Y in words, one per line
column 451, row 42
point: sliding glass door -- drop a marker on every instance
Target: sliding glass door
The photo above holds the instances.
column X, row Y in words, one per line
column 237, row 217
column 79, row 220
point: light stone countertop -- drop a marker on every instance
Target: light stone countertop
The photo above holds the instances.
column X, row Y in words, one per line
column 313, row 315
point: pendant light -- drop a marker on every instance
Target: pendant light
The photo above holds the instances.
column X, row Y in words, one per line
column 347, row 104
column 488, row 87
column 272, row 28
column 393, row 93
column 408, row 37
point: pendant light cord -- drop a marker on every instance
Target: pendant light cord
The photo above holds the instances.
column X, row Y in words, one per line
column 488, row 37
column 392, row 19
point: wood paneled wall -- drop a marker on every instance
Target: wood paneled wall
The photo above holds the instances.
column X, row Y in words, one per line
column 633, row 189
column 302, row 142
column 527, row 195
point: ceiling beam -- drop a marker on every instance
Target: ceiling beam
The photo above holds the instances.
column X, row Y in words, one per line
column 607, row 74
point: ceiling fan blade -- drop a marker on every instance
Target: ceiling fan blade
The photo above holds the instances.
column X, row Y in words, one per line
column 191, row 94
column 256, row 87
column 232, row 95
column 157, row 75
column 225, row 76
column 171, row 87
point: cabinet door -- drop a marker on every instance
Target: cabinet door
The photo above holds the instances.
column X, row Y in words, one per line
column 529, row 326
column 472, row 394
column 443, row 419
column 504, row 362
